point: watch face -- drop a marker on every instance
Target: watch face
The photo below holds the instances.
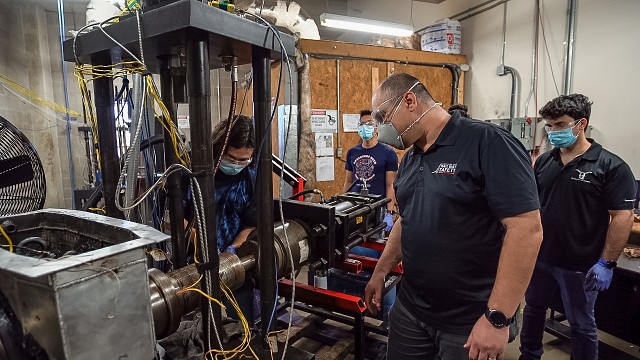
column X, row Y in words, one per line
column 497, row 318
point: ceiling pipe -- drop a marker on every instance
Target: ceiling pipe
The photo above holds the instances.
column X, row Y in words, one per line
column 568, row 63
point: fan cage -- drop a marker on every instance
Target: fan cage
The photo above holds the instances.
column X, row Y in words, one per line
column 24, row 196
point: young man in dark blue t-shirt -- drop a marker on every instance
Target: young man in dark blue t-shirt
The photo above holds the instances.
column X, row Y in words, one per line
column 371, row 163
column 374, row 165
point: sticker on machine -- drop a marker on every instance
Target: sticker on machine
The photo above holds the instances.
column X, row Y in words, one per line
column 304, row 250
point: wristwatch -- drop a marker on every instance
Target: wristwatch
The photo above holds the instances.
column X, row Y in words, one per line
column 497, row 318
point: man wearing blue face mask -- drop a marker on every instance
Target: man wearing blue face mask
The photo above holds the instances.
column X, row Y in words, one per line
column 373, row 164
column 586, row 196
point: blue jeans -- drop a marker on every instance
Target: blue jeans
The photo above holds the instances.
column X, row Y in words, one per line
column 390, row 297
column 411, row 339
column 578, row 306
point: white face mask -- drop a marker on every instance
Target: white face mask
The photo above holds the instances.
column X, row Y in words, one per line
column 388, row 134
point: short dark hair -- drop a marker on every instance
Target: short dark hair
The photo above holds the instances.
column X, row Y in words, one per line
column 365, row 113
column 242, row 134
column 397, row 84
column 577, row 106
column 461, row 108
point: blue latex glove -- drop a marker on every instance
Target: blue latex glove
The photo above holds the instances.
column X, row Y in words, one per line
column 389, row 220
column 599, row 277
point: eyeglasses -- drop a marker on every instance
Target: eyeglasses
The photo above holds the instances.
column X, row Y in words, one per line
column 561, row 125
column 229, row 159
column 381, row 116
column 368, row 123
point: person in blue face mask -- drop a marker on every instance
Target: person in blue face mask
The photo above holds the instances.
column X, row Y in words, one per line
column 374, row 165
column 587, row 195
column 235, row 195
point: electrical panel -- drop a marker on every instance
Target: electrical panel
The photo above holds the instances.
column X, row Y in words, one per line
column 521, row 127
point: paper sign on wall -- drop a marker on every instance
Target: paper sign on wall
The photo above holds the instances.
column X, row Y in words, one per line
column 324, row 144
column 324, row 168
column 350, row 122
column 324, row 120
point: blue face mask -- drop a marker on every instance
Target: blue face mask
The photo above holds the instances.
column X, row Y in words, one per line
column 562, row 138
column 366, row 132
column 230, row 168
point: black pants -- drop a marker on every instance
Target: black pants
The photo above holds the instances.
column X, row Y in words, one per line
column 410, row 338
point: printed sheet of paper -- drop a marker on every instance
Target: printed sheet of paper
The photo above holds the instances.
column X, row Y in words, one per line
column 325, row 169
column 324, row 144
column 324, row 120
column 350, row 122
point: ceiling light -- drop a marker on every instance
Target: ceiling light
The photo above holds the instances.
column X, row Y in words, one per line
column 365, row 25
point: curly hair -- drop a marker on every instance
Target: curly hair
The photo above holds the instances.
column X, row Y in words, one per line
column 365, row 113
column 242, row 134
column 577, row 106
column 463, row 109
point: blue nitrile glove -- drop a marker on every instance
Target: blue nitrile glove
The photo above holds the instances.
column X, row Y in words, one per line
column 599, row 277
column 389, row 220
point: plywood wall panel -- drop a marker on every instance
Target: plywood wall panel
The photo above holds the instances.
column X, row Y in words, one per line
column 358, row 79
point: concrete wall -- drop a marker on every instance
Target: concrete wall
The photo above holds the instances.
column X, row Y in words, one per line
column 606, row 48
column 31, row 56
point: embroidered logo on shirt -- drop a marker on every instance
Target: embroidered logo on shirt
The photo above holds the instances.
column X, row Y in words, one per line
column 582, row 175
column 445, row 168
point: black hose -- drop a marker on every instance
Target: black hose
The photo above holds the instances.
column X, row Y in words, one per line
column 301, row 193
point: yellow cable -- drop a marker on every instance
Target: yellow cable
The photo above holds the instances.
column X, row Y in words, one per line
column 99, row 209
column 203, row 294
column 33, row 95
column 4, row 233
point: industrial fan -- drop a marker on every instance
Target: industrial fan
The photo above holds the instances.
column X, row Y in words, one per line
column 22, row 181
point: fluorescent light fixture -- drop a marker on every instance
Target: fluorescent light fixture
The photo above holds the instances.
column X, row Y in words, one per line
column 365, row 25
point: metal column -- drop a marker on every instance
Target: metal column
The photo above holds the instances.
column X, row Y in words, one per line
column 105, row 116
column 262, row 113
column 174, row 193
column 199, row 83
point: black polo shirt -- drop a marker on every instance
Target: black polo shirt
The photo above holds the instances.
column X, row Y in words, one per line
column 451, row 200
column 575, row 201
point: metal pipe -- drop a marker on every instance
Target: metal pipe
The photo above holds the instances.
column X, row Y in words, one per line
column 174, row 193
column 504, row 35
column 339, row 147
column 264, row 189
column 199, row 83
column 471, row 9
column 536, row 25
column 514, row 89
column 453, row 68
column 571, row 29
column 72, row 171
column 105, row 116
column 483, row 10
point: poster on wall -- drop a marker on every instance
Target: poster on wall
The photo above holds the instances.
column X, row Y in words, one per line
column 350, row 122
column 324, row 168
column 324, row 144
column 324, row 120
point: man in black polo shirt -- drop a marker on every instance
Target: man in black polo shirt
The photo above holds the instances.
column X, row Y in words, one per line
column 586, row 195
column 468, row 233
